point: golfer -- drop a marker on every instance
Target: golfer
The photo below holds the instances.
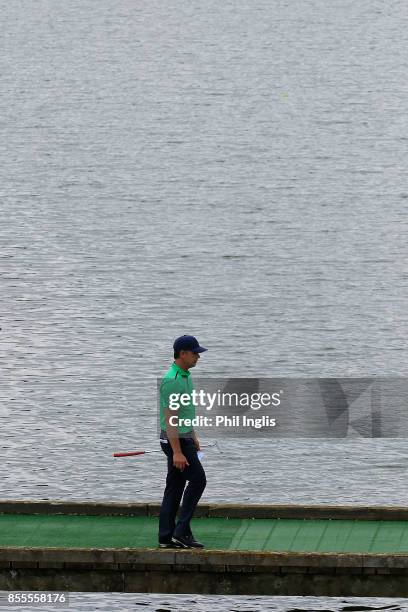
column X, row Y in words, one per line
column 179, row 442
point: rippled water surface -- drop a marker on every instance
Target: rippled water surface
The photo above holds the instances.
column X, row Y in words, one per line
column 235, row 170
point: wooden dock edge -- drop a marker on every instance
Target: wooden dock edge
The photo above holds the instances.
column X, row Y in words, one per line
column 216, row 510
column 205, row 572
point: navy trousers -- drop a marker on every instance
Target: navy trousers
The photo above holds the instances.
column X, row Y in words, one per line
column 175, row 483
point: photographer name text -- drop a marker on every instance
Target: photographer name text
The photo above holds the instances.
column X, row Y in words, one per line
column 224, row 421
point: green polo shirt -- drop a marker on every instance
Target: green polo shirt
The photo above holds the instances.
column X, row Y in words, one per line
column 176, row 380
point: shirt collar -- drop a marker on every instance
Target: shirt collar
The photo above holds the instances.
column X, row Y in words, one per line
column 180, row 370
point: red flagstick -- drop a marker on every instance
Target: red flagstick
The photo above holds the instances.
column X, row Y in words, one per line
column 133, row 453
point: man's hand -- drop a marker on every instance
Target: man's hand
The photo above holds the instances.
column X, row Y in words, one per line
column 179, row 461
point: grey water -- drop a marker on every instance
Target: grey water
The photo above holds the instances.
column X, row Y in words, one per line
column 234, row 170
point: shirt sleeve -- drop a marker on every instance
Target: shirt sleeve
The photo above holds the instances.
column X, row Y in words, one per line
column 168, row 388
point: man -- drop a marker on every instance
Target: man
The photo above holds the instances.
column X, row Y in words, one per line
column 179, row 442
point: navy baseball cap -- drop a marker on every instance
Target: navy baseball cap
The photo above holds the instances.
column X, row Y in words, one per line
column 188, row 343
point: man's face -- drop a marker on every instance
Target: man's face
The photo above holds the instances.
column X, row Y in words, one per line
column 190, row 359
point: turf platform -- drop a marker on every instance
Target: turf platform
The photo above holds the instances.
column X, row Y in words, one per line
column 232, row 534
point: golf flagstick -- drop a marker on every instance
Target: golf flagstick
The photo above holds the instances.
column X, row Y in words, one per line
column 134, row 453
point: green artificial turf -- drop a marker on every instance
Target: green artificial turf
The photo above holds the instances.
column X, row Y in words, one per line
column 321, row 535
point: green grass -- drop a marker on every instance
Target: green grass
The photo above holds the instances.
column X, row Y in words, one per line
column 321, row 535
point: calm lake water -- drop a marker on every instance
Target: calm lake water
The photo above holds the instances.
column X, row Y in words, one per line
column 234, row 170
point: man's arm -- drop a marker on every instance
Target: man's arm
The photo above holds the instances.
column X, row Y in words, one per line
column 179, row 459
